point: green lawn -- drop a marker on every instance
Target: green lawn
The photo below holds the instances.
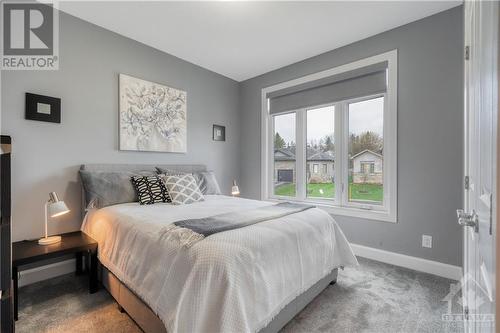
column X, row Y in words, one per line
column 287, row 190
column 371, row 192
column 325, row 190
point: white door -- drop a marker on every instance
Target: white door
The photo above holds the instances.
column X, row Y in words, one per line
column 481, row 107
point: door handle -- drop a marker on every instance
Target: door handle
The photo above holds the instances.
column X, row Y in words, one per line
column 468, row 219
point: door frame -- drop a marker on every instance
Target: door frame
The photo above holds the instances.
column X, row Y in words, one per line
column 473, row 39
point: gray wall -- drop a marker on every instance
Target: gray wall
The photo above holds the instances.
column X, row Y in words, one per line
column 47, row 156
column 429, row 134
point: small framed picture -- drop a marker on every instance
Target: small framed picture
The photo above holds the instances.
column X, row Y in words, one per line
column 219, row 133
column 43, row 108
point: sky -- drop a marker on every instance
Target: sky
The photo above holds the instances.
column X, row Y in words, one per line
column 320, row 123
column 285, row 126
column 363, row 116
column 367, row 116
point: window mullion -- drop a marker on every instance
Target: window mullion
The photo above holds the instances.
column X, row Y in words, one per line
column 345, row 153
column 338, row 153
column 300, row 162
column 386, row 165
column 270, row 167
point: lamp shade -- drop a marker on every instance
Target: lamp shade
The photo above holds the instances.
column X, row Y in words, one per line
column 55, row 206
column 57, row 209
column 235, row 190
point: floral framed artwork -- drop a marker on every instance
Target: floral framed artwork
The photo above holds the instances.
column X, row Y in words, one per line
column 152, row 116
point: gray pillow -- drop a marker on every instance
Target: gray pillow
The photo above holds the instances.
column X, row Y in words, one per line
column 106, row 188
column 170, row 172
column 206, row 180
column 208, row 183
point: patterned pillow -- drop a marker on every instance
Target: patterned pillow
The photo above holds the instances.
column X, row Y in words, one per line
column 150, row 190
column 183, row 189
column 207, row 182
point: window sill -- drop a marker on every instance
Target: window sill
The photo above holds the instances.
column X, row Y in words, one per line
column 383, row 216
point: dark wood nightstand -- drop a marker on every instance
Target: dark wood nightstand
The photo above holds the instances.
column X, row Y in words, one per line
column 77, row 243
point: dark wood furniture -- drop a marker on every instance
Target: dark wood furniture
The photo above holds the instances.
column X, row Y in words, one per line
column 77, row 243
column 6, row 305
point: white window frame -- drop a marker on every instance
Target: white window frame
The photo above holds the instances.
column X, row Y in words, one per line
column 339, row 205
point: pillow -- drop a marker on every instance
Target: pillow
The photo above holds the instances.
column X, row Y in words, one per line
column 206, row 179
column 150, row 190
column 183, row 189
column 167, row 171
column 208, row 183
column 106, row 188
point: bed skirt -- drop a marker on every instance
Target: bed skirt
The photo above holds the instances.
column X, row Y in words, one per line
column 149, row 322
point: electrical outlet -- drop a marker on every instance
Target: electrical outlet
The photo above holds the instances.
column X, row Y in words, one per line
column 427, row 241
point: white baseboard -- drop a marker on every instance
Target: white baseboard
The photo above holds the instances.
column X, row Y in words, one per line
column 417, row 264
column 41, row 273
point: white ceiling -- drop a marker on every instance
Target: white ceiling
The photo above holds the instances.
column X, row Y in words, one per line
column 241, row 39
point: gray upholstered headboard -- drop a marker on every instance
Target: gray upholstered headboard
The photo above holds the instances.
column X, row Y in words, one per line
column 143, row 167
column 135, row 168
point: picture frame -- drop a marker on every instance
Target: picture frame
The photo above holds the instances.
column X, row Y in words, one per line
column 43, row 108
column 219, row 133
column 153, row 116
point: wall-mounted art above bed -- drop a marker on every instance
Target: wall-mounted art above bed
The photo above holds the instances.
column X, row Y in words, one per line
column 152, row 116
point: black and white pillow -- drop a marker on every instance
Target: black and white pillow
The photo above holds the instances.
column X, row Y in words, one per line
column 150, row 190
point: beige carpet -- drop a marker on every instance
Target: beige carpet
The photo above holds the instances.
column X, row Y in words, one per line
column 373, row 297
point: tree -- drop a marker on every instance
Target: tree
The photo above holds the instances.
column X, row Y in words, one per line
column 366, row 140
column 279, row 142
column 328, row 143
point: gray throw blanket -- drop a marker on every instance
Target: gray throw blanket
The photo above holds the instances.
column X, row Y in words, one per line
column 193, row 230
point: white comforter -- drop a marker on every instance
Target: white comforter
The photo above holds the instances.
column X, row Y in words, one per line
column 234, row 281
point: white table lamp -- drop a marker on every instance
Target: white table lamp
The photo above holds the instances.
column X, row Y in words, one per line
column 235, row 190
column 53, row 208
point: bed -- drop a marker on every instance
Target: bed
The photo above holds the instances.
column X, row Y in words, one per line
column 252, row 279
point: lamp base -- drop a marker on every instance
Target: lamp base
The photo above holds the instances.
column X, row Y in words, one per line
column 49, row 240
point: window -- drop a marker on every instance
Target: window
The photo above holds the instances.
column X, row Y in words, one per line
column 366, row 168
column 366, row 144
column 339, row 155
column 284, row 155
column 319, row 148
